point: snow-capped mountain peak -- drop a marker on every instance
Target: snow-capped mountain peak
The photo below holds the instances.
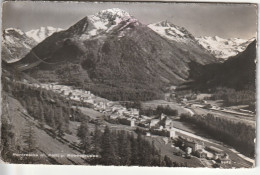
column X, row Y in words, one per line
column 171, row 31
column 43, row 32
column 13, row 30
column 103, row 22
column 113, row 13
column 15, row 45
column 223, row 48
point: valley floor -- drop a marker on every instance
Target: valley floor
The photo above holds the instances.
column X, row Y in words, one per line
column 68, row 144
column 185, row 129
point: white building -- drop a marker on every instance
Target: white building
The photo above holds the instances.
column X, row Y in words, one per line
column 188, row 150
column 132, row 124
column 168, row 123
column 154, row 122
column 163, row 116
column 172, row 133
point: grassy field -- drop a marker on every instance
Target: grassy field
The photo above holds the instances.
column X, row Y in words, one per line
column 153, row 104
column 91, row 113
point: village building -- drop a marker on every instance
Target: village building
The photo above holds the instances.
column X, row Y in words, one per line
column 188, row 150
column 216, row 152
column 113, row 116
column 154, row 122
column 172, row 133
column 134, row 111
column 132, row 124
column 200, row 153
column 168, row 123
column 163, row 116
column 187, row 142
column 148, row 134
column 89, row 101
column 224, row 159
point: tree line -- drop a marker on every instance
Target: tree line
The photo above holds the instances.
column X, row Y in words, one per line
column 120, row 148
column 236, row 97
column 159, row 110
column 11, row 143
column 45, row 106
column 236, row 134
column 123, row 93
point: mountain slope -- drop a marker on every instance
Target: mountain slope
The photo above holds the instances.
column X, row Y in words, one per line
column 15, row 45
column 19, row 113
column 223, row 48
column 238, row 72
column 114, row 49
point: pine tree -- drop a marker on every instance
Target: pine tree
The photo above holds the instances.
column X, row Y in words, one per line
column 141, row 151
column 84, row 135
column 29, row 104
column 168, row 161
column 153, row 149
column 29, row 138
column 52, row 118
column 115, row 145
column 134, row 151
column 60, row 127
column 97, row 140
column 7, row 140
column 35, row 108
column 124, row 149
column 41, row 116
column 108, row 153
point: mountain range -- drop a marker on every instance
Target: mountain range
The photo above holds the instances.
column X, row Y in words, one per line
column 112, row 52
column 112, row 48
column 224, row 48
column 16, row 43
column 43, row 32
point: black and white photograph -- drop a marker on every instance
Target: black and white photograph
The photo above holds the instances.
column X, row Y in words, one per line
column 149, row 84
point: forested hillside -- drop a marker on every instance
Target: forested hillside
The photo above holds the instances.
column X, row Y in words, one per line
column 236, row 134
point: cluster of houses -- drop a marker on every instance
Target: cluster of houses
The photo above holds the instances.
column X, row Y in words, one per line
column 113, row 110
column 198, row 149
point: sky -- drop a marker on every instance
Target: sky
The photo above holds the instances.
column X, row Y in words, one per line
column 201, row 19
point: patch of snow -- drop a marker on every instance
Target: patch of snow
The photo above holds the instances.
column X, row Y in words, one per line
column 9, row 40
column 169, row 31
column 14, row 29
column 93, row 32
column 223, row 48
column 105, row 21
column 114, row 11
column 43, row 32
column 27, row 46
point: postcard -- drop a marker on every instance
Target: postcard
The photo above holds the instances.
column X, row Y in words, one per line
column 157, row 84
